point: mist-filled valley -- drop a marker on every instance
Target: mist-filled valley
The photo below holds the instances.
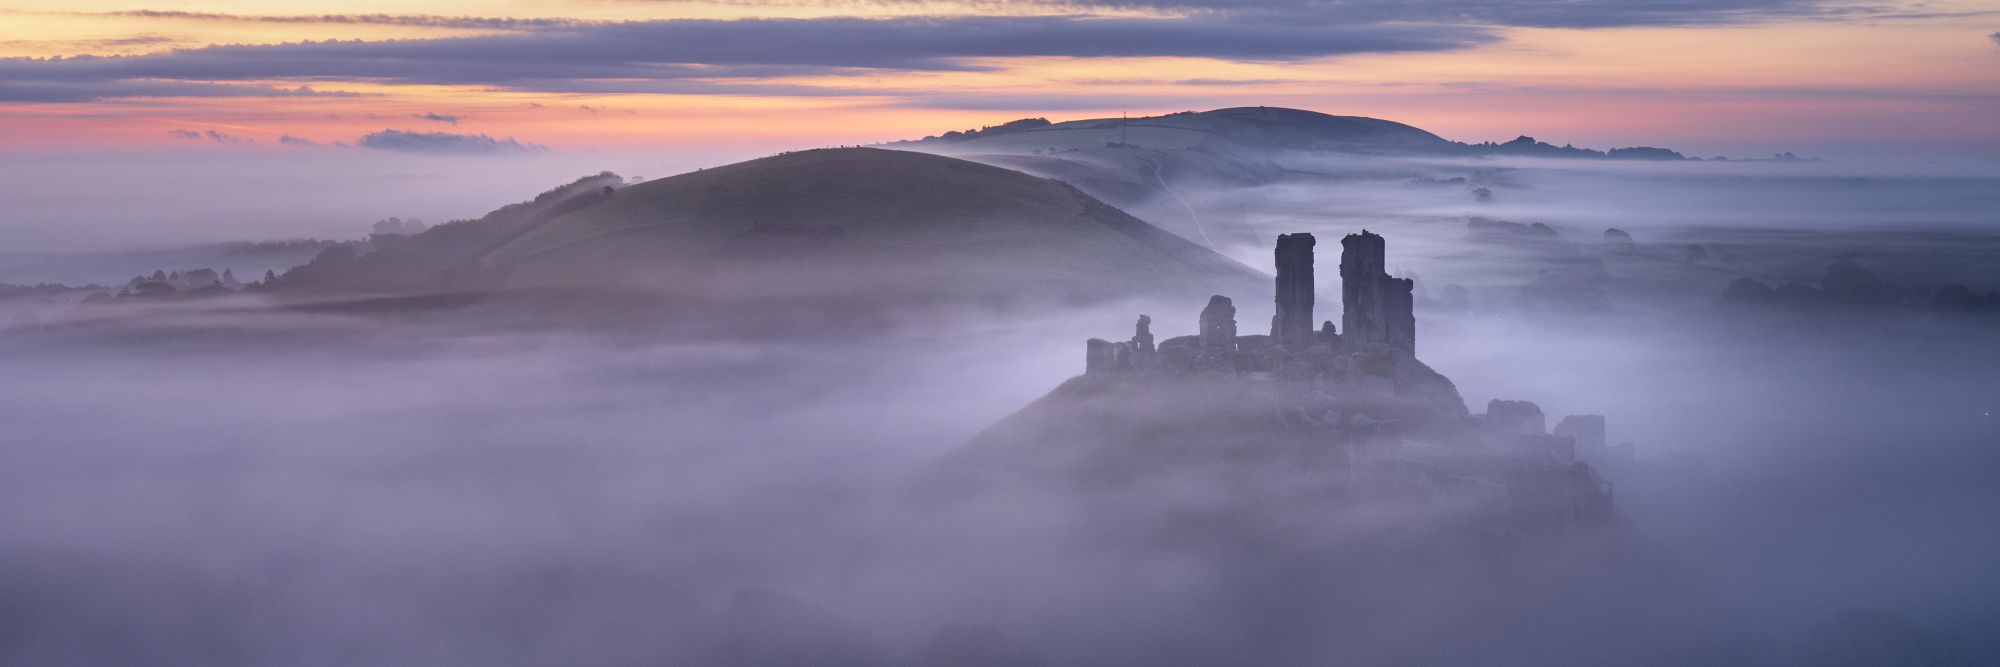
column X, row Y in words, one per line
column 831, row 407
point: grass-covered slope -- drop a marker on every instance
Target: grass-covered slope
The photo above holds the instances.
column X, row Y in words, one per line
column 866, row 219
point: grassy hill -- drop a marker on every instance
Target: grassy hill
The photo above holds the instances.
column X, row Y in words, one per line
column 865, row 220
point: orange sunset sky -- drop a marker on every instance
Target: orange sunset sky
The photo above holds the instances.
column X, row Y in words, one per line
column 1705, row 76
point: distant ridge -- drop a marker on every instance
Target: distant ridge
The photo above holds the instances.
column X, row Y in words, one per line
column 1257, row 128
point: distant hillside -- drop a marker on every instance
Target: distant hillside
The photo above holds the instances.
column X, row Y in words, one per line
column 1256, row 128
column 861, row 224
column 248, row 258
column 1264, row 128
column 893, row 222
column 1178, row 171
column 444, row 257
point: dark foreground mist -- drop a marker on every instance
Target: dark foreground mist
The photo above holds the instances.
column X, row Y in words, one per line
column 1804, row 494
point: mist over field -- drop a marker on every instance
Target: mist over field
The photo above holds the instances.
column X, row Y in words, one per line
column 1033, row 333
column 758, row 470
column 78, row 218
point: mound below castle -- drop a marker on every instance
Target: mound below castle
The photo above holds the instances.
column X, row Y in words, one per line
column 1348, row 415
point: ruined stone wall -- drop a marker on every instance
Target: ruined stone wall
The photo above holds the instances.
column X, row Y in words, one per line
column 1399, row 313
column 1375, row 308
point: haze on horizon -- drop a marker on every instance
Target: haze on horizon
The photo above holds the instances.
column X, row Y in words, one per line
column 750, row 400
column 319, row 114
column 1730, row 77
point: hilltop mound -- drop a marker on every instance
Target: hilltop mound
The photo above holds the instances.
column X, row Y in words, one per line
column 1165, row 168
column 865, row 226
column 1279, row 128
column 882, row 221
column 1197, row 173
column 1245, row 129
column 1262, row 128
column 1300, row 413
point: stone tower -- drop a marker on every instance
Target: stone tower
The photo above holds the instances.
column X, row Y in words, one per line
column 1293, row 325
column 1375, row 308
column 1218, row 326
column 1142, row 342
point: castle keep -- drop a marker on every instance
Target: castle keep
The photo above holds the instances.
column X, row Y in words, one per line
column 1376, row 311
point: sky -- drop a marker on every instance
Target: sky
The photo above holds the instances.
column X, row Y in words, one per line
column 738, row 77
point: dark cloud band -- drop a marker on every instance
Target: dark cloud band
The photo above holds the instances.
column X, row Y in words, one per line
column 56, row 91
column 404, row 20
column 710, row 50
column 1518, row 13
column 1515, row 13
column 732, row 56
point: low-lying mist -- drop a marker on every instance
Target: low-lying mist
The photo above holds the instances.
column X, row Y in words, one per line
column 391, row 494
column 69, row 216
column 229, row 483
column 1929, row 223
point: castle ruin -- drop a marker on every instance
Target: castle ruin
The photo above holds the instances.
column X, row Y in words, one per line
column 1373, row 357
column 1375, row 308
column 1292, row 326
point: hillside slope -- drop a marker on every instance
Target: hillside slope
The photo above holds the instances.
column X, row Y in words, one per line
column 844, row 220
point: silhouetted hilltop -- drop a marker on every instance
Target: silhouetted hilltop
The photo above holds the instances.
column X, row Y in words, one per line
column 442, row 257
column 1177, row 170
column 1253, row 128
column 893, row 223
column 864, row 224
column 1264, row 128
column 1525, row 146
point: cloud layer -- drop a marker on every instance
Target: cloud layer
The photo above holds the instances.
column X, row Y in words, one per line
column 560, row 58
column 210, row 135
column 696, row 56
column 1519, row 13
column 47, row 90
column 444, row 142
column 404, row 20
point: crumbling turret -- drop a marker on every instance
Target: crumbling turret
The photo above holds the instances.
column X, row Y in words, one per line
column 1292, row 326
column 1218, row 326
column 1142, row 338
column 1375, row 308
